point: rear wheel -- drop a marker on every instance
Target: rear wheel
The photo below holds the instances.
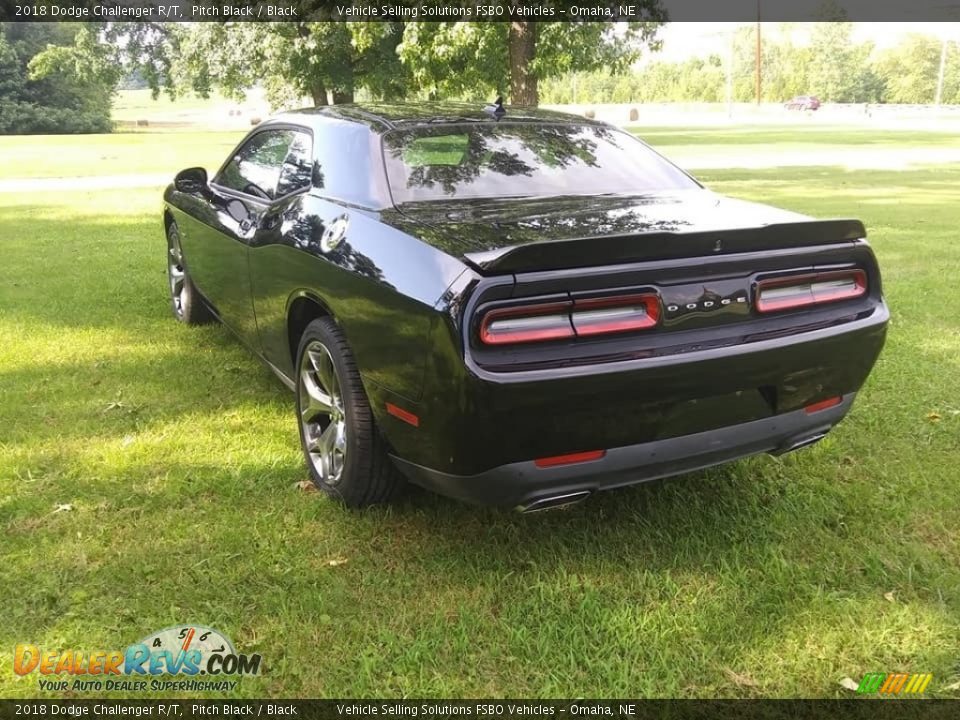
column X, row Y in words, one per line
column 346, row 456
column 185, row 301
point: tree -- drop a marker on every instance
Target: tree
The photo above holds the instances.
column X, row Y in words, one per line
column 147, row 49
column 910, row 70
column 54, row 78
column 834, row 63
column 453, row 58
column 87, row 61
column 831, row 66
column 326, row 61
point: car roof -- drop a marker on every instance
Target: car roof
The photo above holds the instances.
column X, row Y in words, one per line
column 381, row 117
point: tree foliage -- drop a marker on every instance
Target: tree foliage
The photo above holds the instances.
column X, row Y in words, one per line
column 333, row 61
column 60, row 77
column 910, row 71
column 831, row 66
column 484, row 59
column 54, row 78
column 325, row 61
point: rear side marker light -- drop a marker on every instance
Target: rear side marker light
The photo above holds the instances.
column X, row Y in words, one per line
column 824, row 404
column 405, row 415
column 570, row 319
column 570, row 459
column 803, row 290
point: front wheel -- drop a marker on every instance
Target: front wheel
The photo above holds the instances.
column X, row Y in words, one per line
column 346, row 456
column 185, row 301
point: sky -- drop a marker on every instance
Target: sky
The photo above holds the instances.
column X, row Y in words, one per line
column 682, row 40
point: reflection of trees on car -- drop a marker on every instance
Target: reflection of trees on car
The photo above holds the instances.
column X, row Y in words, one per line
column 471, row 161
column 479, row 155
column 305, row 231
column 273, row 163
column 297, row 168
column 255, row 168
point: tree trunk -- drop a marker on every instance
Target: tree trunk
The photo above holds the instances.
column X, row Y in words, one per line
column 522, row 44
column 319, row 93
column 342, row 96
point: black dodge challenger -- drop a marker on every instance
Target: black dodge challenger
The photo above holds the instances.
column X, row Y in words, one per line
column 518, row 307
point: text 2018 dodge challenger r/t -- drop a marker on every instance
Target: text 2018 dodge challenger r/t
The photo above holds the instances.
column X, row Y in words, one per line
column 518, row 307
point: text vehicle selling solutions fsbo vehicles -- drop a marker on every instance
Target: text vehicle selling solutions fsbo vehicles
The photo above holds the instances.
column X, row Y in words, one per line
column 518, row 307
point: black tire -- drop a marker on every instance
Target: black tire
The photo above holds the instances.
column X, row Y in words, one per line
column 362, row 474
column 185, row 302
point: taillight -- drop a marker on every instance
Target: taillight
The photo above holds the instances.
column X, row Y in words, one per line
column 570, row 319
column 802, row 290
column 612, row 315
column 530, row 323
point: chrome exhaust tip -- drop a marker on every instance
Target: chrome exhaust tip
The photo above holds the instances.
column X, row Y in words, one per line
column 553, row 502
column 800, row 443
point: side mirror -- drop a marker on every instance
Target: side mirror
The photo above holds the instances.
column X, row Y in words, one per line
column 191, row 180
column 237, row 210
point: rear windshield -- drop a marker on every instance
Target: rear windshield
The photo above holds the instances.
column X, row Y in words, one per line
column 522, row 160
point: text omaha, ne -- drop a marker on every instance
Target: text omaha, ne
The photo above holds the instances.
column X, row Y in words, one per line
column 482, row 12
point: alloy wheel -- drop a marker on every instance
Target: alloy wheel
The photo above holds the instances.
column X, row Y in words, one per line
column 176, row 273
column 322, row 417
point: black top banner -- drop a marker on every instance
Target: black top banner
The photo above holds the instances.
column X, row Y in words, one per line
column 478, row 10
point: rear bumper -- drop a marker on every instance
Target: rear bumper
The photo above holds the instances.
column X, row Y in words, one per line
column 523, row 484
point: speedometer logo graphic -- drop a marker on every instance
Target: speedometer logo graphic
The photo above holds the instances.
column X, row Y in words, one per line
column 189, row 650
column 189, row 637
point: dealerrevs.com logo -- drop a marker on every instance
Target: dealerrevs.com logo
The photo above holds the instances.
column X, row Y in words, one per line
column 204, row 658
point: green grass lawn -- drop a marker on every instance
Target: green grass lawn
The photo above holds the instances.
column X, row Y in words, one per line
column 172, row 458
column 793, row 135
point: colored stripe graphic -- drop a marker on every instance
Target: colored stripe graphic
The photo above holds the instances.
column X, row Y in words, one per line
column 871, row 682
column 895, row 683
column 898, row 685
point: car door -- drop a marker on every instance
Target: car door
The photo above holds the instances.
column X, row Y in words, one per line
column 216, row 248
column 283, row 224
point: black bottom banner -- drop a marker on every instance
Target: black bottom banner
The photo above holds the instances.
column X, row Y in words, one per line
column 860, row 709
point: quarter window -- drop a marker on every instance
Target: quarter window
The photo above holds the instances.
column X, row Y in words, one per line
column 297, row 169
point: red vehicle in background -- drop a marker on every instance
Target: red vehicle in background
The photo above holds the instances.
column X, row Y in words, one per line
column 803, row 102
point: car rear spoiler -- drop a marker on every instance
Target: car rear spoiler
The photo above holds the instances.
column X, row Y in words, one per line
column 617, row 249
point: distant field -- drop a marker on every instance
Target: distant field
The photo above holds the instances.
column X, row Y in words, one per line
column 135, row 109
column 150, row 150
column 154, row 150
column 793, row 136
column 140, row 103
column 195, row 131
column 148, row 477
column 130, row 153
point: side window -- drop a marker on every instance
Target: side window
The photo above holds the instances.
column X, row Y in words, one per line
column 298, row 166
column 255, row 169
